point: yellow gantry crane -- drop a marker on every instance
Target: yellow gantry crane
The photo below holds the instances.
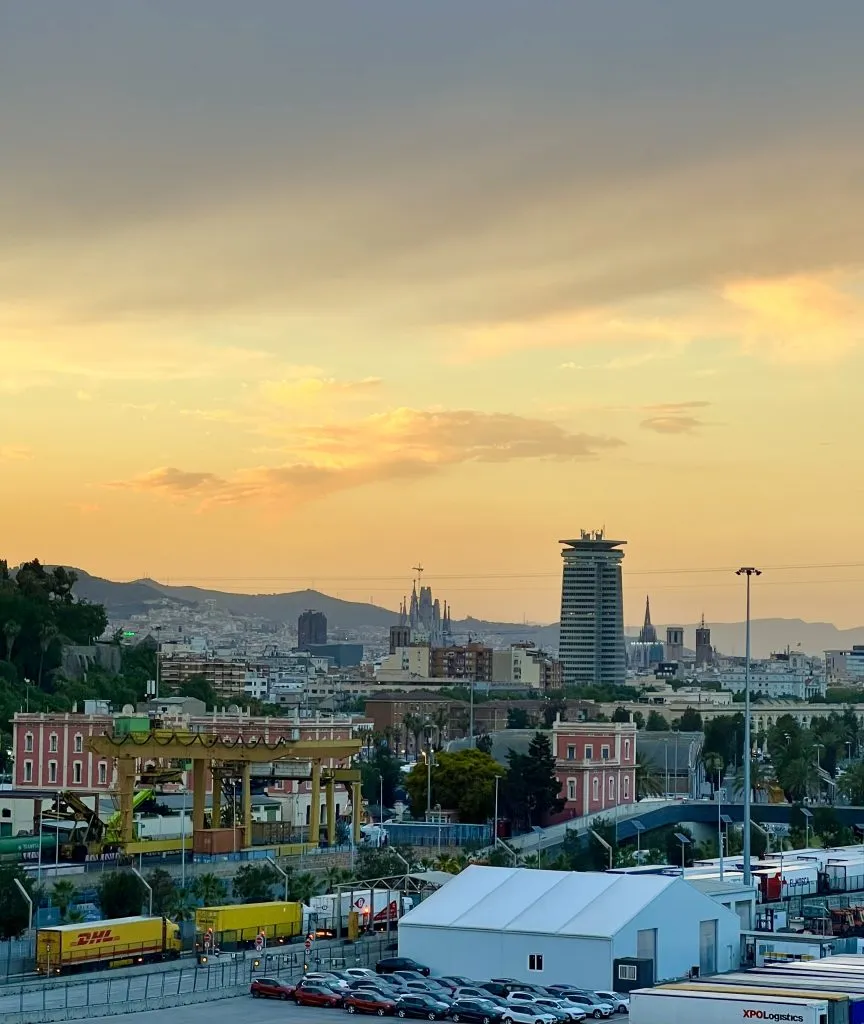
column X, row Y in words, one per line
column 313, row 760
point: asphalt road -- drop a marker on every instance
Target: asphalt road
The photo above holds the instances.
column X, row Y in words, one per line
column 230, row 1011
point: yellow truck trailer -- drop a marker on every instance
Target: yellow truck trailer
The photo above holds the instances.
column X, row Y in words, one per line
column 117, row 943
column 237, row 926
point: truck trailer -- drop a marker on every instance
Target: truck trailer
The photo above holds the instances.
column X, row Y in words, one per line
column 327, row 915
column 667, row 1004
column 116, row 943
column 843, row 1007
column 236, row 926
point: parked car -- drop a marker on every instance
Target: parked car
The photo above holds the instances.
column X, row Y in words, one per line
column 619, row 1003
column 407, row 974
column 328, row 977
column 477, row 1011
column 593, row 1006
column 416, row 1004
column 359, row 972
column 399, row 963
column 316, row 994
column 516, row 1014
column 324, row 981
column 372, row 981
column 550, row 1005
column 573, row 1010
column 271, row 988
column 458, row 980
column 562, row 990
column 369, row 1001
column 432, row 990
column 444, row 985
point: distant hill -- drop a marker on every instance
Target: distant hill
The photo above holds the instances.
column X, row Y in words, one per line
column 123, row 599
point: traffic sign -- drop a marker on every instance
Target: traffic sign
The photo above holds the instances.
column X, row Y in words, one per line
column 308, row 945
column 259, row 943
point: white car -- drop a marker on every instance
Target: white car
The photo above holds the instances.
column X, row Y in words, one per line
column 527, row 1014
column 619, row 1003
column 360, row 972
column 547, row 1004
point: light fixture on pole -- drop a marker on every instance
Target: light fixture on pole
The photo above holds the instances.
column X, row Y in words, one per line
column 381, row 799
column 727, row 821
column 685, row 842
column 719, row 795
column 748, row 571
column 638, row 828
column 495, row 820
column 539, row 831
column 807, row 816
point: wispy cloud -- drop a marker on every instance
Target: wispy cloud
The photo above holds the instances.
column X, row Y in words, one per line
column 672, row 424
column 310, row 388
column 401, row 444
column 14, row 453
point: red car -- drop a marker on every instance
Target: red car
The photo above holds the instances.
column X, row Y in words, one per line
column 317, row 995
column 271, row 988
column 367, row 1001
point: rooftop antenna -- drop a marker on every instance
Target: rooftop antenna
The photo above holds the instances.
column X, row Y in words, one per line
column 418, row 568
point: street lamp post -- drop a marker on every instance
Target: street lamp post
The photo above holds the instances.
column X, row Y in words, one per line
column 748, row 571
column 666, row 763
column 381, row 799
column 807, row 816
column 495, row 820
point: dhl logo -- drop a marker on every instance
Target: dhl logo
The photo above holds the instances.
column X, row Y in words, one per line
column 92, row 938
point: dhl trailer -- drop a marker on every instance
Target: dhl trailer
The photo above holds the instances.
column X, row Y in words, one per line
column 117, row 943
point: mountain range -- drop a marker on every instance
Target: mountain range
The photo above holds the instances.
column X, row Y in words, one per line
column 124, row 599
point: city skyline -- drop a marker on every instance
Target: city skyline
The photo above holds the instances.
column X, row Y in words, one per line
column 332, row 292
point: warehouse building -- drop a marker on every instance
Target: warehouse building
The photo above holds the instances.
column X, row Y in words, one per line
column 586, row 928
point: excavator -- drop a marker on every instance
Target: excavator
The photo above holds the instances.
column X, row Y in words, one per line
column 90, row 834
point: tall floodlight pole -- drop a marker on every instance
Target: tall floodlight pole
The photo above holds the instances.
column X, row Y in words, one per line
column 748, row 571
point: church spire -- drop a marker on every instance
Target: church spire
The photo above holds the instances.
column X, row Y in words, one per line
column 648, row 634
column 647, row 623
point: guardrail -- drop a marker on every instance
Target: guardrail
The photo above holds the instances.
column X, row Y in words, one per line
column 222, row 977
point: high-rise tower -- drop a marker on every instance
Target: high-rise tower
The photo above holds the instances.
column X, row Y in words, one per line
column 591, row 645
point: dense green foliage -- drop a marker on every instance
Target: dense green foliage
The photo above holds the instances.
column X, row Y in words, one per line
column 255, row 883
column 122, row 894
column 531, row 787
column 380, row 766
column 14, row 911
column 463, row 781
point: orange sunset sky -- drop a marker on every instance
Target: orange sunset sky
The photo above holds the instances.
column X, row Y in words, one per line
column 298, row 294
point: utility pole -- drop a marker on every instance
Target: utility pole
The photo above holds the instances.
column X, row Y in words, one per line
column 748, row 571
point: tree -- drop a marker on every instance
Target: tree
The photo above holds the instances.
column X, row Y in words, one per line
column 180, row 906
column 254, row 883
column 441, row 721
column 531, row 786
column 62, row 894
column 120, row 894
column 656, row 722
column 553, row 710
column 690, row 721
column 381, row 766
column 414, row 725
column 673, row 846
column 197, row 686
column 11, row 629
column 484, row 743
column 638, row 719
column 724, row 736
column 648, row 784
column 462, row 780
column 620, row 714
column 851, row 784
column 164, row 890
column 14, row 912
column 303, row 886
column 517, row 718
column 384, row 863
column 210, row 889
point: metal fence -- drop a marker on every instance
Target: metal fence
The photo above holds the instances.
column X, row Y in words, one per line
column 222, row 977
column 17, row 956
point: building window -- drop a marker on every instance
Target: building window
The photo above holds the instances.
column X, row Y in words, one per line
column 595, row 788
column 535, row 961
column 79, row 743
column 28, row 743
column 626, row 787
column 604, row 752
column 571, row 753
column 626, row 972
column 52, row 743
column 28, row 771
column 626, row 750
column 571, row 789
column 103, row 773
column 76, row 773
column 52, row 771
column 611, row 787
column 589, row 752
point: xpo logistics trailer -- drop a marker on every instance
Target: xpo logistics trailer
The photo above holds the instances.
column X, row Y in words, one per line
column 116, row 943
column 667, row 1004
column 843, row 1007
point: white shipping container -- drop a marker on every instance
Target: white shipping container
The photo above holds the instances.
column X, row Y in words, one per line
column 668, row 1006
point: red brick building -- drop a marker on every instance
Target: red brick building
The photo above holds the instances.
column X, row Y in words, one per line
column 596, row 765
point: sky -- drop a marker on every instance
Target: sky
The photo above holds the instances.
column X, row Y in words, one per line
column 308, row 294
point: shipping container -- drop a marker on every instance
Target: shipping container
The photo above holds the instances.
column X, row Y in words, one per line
column 210, row 841
column 115, row 943
column 794, row 880
column 374, row 909
column 846, row 874
column 669, row 1005
column 238, row 925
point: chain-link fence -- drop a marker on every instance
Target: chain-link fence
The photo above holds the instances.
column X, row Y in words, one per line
column 220, row 977
column 17, row 956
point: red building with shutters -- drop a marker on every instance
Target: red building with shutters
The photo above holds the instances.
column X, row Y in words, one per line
column 596, row 765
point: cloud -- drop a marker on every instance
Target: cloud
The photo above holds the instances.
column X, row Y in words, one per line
column 400, row 444
column 675, row 407
column 301, row 389
column 14, row 453
column 672, row 424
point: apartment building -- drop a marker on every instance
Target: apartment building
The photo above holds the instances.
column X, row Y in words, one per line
column 596, row 765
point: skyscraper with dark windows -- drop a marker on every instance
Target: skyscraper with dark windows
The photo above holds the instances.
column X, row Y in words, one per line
column 591, row 645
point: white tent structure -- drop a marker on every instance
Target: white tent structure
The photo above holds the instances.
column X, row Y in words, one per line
column 568, row 926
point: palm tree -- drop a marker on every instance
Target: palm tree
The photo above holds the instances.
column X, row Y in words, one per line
column 11, row 629
column 414, row 725
column 62, row 894
column 47, row 635
column 303, row 887
column 799, row 778
column 448, row 863
column 441, row 720
column 210, row 889
column 761, row 779
column 336, row 876
column 851, row 784
column 647, row 782
column 181, row 905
